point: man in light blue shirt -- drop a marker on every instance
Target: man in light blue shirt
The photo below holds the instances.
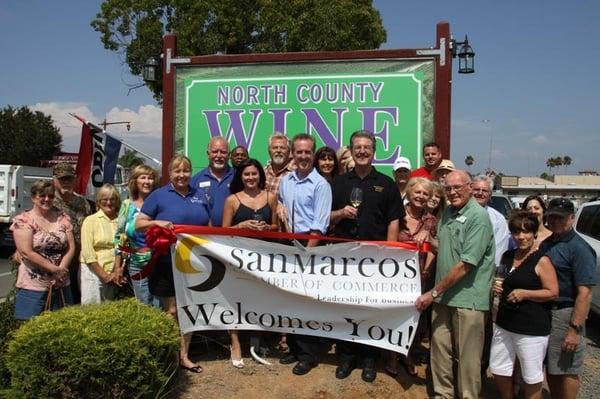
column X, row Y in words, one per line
column 305, row 205
column 305, row 196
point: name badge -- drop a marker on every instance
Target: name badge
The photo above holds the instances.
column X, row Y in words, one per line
column 378, row 189
column 461, row 219
column 204, row 184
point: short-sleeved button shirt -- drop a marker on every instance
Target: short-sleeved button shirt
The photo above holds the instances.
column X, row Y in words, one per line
column 381, row 205
column 466, row 235
column 575, row 263
column 167, row 204
column 307, row 200
column 215, row 191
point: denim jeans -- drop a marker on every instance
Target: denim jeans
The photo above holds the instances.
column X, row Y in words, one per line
column 141, row 289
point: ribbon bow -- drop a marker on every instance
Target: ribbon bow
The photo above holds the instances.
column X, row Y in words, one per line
column 159, row 240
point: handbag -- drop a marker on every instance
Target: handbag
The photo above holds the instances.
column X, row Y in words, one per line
column 61, row 298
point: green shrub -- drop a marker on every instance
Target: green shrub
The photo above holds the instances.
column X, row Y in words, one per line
column 7, row 325
column 119, row 349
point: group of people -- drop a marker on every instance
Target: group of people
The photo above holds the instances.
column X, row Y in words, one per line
column 534, row 264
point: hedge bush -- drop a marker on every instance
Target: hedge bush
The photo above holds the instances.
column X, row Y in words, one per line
column 120, row 349
column 7, row 325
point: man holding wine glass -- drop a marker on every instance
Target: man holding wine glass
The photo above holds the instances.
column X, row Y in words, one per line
column 366, row 206
column 304, row 205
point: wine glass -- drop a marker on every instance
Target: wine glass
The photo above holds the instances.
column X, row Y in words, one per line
column 356, row 197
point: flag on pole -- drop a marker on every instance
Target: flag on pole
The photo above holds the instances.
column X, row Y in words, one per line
column 98, row 156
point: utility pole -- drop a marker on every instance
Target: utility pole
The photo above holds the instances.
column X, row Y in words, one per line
column 104, row 123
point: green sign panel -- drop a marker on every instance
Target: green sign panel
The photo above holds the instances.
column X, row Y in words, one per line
column 246, row 104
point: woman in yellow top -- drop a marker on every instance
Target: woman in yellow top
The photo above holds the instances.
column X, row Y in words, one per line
column 100, row 280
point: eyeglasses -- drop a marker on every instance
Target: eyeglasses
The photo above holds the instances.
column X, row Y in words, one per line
column 481, row 190
column 455, row 188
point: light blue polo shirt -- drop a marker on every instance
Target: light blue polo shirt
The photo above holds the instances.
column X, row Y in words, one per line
column 307, row 200
column 215, row 192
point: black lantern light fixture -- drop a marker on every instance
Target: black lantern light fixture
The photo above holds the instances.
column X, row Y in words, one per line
column 466, row 55
column 151, row 70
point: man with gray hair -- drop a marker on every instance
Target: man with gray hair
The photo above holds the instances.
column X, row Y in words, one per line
column 214, row 180
column 482, row 192
column 461, row 294
column 281, row 164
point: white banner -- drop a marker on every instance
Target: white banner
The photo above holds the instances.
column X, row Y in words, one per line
column 350, row 291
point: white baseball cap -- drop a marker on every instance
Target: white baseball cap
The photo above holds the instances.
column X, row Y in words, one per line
column 402, row 162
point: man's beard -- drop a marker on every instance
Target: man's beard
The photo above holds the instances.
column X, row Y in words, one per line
column 279, row 160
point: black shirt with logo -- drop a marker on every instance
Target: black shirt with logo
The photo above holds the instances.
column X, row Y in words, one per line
column 381, row 204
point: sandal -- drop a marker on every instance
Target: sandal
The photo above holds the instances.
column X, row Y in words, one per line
column 193, row 369
column 237, row 363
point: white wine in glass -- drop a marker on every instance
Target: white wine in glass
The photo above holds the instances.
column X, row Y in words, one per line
column 356, row 197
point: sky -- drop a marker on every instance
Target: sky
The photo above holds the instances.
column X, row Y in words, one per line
column 534, row 92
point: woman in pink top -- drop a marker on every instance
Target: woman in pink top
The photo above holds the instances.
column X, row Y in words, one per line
column 419, row 226
column 45, row 245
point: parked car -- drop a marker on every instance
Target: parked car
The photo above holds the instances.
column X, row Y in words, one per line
column 587, row 225
column 501, row 203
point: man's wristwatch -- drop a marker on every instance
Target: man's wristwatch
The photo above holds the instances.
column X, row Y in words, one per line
column 434, row 294
column 577, row 327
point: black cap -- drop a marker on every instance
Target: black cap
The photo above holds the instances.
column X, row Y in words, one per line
column 560, row 206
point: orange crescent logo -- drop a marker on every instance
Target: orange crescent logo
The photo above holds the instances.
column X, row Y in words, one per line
column 183, row 252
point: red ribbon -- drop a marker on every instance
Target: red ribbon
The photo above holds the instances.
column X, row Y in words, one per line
column 229, row 231
column 159, row 240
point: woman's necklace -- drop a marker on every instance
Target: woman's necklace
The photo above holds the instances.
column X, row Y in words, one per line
column 410, row 213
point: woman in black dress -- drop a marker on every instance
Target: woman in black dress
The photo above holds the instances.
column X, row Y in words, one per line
column 248, row 207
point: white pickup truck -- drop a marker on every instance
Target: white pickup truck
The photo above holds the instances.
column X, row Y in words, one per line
column 15, row 185
column 15, row 196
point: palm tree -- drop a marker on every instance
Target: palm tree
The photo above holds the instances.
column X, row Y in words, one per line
column 550, row 164
column 566, row 160
column 469, row 160
column 558, row 162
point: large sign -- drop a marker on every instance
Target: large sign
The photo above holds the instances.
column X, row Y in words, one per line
column 247, row 103
column 357, row 292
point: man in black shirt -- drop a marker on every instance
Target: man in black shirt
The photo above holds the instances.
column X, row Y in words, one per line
column 376, row 216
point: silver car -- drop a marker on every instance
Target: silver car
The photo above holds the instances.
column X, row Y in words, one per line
column 587, row 225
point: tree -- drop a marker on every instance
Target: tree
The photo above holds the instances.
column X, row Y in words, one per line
column 27, row 137
column 130, row 158
column 553, row 163
column 566, row 161
column 135, row 28
column 469, row 160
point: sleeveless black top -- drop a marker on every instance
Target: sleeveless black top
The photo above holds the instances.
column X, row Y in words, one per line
column 244, row 213
column 525, row 317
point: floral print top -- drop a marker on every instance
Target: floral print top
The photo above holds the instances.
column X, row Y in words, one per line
column 52, row 245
